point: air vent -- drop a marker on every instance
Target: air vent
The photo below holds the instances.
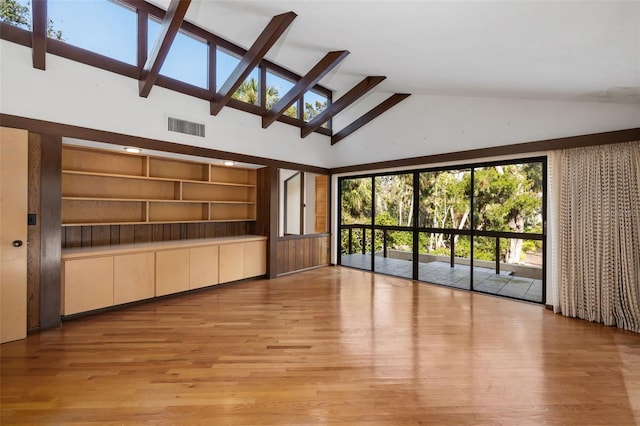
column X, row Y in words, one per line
column 186, row 127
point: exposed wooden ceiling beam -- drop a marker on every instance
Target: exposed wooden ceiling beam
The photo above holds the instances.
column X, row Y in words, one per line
column 373, row 113
column 350, row 97
column 170, row 27
column 272, row 32
column 321, row 69
column 39, row 33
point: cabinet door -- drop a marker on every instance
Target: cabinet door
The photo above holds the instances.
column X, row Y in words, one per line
column 231, row 262
column 255, row 258
column 172, row 271
column 88, row 284
column 133, row 277
column 203, row 269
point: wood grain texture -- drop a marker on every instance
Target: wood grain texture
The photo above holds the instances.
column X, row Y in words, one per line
column 50, row 223
column 302, row 252
column 33, row 234
column 105, row 235
column 327, row 346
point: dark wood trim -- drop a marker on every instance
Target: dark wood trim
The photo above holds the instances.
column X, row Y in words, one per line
column 273, row 222
column 39, row 33
column 350, row 97
column 387, row 104
column 33, row 234
column 143, row 38
column 59, row 129
column 617, row 136
column 77, row 54
column 297, row 237
column 15, row 35
column 23, row 37
column 269, row 36
column 50, row 238
column 302, row 203
column 170, row 26
column 307, row 82
column 302, row 253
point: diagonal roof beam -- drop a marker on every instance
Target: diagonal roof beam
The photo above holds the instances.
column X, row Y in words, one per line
column 272, row 32
column 350, row 97
column 321, row 69
column 39, row 33
column 170, row 27
column 376, row 111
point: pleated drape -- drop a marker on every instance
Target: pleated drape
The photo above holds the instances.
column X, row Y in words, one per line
column 599, row 234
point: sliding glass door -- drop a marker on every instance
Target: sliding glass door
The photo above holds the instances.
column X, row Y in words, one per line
column 478, row 227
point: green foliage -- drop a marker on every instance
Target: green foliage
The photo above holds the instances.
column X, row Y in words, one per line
column 310, row 110
column 16, row 14
column 507, row 198
column 19, row 15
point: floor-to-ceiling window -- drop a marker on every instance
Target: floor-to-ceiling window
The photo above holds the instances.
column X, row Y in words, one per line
column 477, row 227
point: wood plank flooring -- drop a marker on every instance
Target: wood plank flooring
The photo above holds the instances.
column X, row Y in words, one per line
column 328, row 346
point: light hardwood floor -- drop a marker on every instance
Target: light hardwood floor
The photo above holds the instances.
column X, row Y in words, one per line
column 328, row 346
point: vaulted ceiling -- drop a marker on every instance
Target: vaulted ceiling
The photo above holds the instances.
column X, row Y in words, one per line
column 556, row 50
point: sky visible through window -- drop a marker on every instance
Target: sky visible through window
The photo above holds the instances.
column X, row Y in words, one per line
column 110, row 29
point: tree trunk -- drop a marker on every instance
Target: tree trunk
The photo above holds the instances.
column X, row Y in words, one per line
column 515, row 245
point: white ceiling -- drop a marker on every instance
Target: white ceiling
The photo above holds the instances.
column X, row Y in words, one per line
column 555, row 50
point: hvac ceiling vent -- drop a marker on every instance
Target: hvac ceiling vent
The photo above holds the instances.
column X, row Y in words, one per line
column 186, row 127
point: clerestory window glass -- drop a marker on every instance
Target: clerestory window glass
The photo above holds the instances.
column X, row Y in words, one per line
column 16, row 13
column 314, row 104
column 188, row 57
column 277, row 87
column 101, row 26
column 249, row 90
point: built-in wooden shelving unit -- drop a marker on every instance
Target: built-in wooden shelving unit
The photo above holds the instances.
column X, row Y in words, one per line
column 101, row 187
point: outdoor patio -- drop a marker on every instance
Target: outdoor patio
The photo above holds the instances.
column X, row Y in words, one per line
column 484, row 279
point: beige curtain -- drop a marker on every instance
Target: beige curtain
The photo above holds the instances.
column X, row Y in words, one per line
column 599, row 230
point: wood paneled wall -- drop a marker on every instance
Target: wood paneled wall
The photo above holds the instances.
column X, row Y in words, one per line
column 50, row 222
column 106, row 235
column 303, row 252
column 33, row 233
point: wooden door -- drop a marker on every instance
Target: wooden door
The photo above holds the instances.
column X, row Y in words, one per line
column 13, row 234
column 322, row 184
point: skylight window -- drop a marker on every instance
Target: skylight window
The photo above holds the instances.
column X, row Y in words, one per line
column 101, row 26
column 188, row 57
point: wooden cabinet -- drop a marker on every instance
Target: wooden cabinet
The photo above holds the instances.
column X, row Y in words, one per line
column 231, row 263
column 172, row 271
column 133, row 277
column 254, row 261
column 107, row 187
column 203, row 266
column 100, row 277
column 88, row 284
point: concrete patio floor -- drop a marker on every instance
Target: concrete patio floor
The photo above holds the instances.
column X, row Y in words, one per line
column 484, row 279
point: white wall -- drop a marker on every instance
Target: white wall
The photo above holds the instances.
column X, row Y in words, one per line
column 72, row 93
column 426, row 125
